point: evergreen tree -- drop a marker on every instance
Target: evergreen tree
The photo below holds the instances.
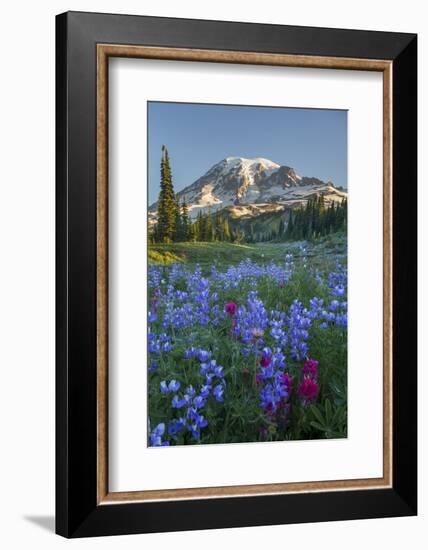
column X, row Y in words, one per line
column 218, row 226
column 199, row 229
column 193, row 232
column 226, row 230
column 290, row 227
column 203, row 229
column 178, row 229
column 209, row 229
column 167, row 210
column 252, row 237
column 185, row 221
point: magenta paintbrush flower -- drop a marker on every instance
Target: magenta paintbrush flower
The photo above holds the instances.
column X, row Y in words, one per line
column 230, row 308
column 265, row 360
column 308, row 390
column 310, row 368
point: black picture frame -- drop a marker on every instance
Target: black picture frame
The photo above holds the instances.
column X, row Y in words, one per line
column 77, row 511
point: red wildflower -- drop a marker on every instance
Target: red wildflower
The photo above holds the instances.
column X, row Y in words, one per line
column 265, row 360
column 230, row 308
column 310, row 368
column 308, row 389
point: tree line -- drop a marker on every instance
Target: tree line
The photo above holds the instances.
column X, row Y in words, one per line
column 316, row 219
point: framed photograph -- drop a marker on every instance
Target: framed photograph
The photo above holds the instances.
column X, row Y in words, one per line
column 236, row 274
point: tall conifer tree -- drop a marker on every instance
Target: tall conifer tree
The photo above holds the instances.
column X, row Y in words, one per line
column 226, row 230
column 185, row 221
column 198, row 227
column 167, row 211
column 209, row 229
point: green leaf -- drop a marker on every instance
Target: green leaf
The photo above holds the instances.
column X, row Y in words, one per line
column 328, row 411
column 318, row 426
column 317, row 413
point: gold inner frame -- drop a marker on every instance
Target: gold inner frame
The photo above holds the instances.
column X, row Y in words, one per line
column 104, row 51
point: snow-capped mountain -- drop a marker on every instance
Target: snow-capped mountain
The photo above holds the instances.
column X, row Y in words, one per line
column 251, row 187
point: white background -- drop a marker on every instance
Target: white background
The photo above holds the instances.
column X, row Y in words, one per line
column 27, row 274
column 132, row 82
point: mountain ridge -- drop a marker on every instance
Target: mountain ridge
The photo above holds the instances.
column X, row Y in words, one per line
column 252, row 186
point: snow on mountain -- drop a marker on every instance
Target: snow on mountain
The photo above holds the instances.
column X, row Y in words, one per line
column 259, row 182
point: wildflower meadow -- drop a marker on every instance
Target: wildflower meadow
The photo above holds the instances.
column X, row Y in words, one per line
column 247, row 343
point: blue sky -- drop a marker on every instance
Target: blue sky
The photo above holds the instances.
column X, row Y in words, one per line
column 312, row 141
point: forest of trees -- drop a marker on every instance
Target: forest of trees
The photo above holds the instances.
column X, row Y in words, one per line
column 313, row 220
column 317, row 219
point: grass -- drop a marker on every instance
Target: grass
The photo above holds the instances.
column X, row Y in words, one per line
column 207, row 254
column 163, row 257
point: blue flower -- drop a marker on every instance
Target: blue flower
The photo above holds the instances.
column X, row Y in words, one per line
column 190, row 391
column 204, row 368
column 156, row 436
column 167, row 347
column 218, row 392
column 190, row 353
column 154, row 347
column 153, row 365
column 172, row 387
column 192, row 413
column 277, row 333
column 334, row 305
column 205, row 390
column 199, row 402
column 218, row 371
column 176, row 425
column 193, row 428
column 203, row 355
column 197, row 422
column 202, row 422
column 178, row 403
column 338, row 290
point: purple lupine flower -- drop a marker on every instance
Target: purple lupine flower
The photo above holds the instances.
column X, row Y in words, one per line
column 172, row 387
column 218, row 392
column 199, row 402
column 176, row 426
column 177, row 403
column 203, row 355
column 156, row 436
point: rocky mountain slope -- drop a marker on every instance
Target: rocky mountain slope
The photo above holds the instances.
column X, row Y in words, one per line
column 250, row 187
